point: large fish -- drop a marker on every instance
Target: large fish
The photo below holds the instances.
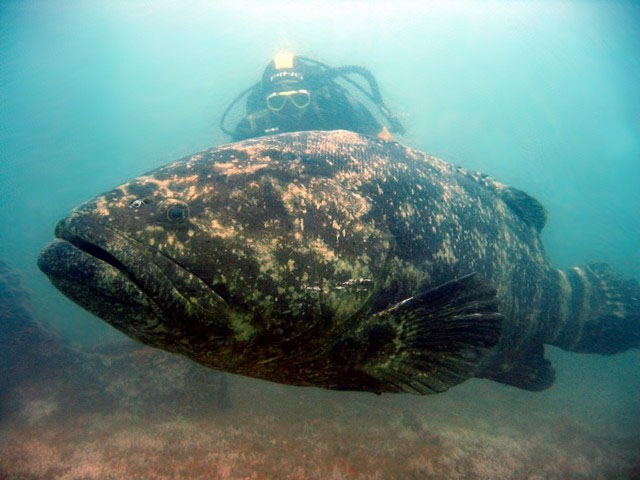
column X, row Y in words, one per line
column 336, row 260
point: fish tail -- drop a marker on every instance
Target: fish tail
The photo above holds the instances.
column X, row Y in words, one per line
column 598, row 311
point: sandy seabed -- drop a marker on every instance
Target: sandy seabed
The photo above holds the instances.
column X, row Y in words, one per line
column 478, row 430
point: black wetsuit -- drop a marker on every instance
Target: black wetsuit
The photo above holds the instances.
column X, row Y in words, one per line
column 331, row 108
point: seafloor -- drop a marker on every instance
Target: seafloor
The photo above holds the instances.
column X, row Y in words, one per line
column 130, row 412
column 273, row 432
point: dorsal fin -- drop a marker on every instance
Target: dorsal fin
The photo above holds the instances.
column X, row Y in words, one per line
column 522, row 204
column 525, row 206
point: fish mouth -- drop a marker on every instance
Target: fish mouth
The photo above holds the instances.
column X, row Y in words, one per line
column 93, row 250
column 79, row 263
column 130, row 285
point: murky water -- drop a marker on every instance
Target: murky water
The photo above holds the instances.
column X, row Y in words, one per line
column 542, row 96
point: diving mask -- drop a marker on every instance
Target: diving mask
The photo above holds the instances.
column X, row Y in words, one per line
column 299, row 98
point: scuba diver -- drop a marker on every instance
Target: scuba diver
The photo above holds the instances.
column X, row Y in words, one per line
column 298, row 93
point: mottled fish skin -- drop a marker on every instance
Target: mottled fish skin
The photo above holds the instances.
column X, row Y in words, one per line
column 259, row 257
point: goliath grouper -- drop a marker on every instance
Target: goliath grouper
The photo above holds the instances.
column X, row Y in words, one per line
column 340, row 261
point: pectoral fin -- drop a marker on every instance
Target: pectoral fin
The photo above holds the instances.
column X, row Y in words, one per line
column 435, row 340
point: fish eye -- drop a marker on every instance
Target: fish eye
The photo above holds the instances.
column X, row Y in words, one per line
column 137, row 203
column 177, row 212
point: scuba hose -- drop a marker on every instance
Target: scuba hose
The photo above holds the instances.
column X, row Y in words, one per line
column 374, row 96
column 231, row 105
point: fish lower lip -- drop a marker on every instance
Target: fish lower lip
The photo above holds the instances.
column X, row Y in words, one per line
column 102, row 288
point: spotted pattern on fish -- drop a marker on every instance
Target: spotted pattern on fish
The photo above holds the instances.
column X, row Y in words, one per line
column 317, row 258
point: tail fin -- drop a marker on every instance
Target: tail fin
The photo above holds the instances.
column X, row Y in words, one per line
column 598, row 311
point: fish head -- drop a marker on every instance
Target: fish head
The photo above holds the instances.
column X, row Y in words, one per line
column 251, row 243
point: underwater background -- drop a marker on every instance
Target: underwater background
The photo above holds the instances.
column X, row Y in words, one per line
column 543, row 96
